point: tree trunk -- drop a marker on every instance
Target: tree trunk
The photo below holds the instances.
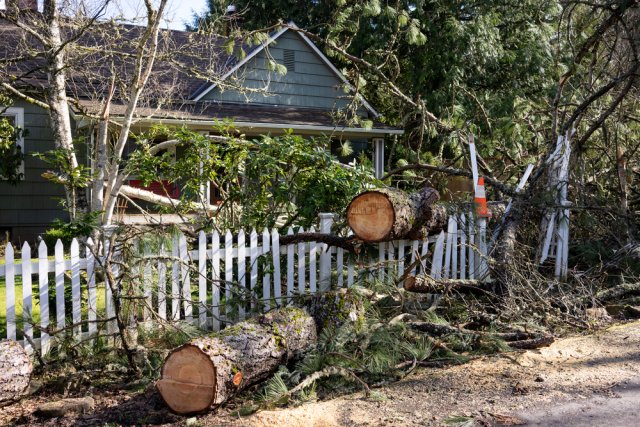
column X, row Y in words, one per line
column 15, row 371
column 425, row 284
column 209, row 370
column 388, row 214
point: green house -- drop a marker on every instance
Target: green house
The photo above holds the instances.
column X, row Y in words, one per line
column 307, row 99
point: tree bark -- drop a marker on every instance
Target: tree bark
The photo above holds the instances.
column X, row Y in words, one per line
column 15, row 371
column 515, row 339
column 425, row 284
column 209, row 370
column 388, row 214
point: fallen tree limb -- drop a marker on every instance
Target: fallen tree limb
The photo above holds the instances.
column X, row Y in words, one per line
column 425, row 284
column 519, row 339
column 619, row 291
column 346, row 243
column 210, row 369
column 148, row 196
column 455, row 172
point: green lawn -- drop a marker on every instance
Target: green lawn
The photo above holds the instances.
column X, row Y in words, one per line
column 35, row 314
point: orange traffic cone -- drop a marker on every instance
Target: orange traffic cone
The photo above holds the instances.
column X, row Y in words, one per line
column 480, row 200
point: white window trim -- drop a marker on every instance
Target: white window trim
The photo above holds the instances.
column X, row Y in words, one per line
column 18, row 114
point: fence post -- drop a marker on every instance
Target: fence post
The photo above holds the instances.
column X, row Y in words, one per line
column 326, row 221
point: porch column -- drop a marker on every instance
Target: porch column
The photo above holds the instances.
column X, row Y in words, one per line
column 378, row 156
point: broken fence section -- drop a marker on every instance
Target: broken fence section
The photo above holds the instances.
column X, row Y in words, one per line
column 217, row 279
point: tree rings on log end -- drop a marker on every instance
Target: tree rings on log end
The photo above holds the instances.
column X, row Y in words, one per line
column 188, row 380
column 371, row 216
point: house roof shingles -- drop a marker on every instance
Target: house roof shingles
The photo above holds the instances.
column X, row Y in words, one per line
column 184, row 59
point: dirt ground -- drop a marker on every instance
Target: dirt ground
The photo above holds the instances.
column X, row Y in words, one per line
column 583, row 380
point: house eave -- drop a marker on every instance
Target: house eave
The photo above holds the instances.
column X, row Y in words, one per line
column 258, row 127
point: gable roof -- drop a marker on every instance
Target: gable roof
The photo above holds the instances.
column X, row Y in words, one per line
column 89, row 75
column 291, row 27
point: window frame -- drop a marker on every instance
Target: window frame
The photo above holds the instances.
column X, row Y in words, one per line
column 18, row 114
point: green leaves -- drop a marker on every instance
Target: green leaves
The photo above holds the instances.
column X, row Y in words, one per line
column 371, row 8
column 286, row 177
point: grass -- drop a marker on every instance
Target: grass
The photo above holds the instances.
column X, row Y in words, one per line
column 35, row 312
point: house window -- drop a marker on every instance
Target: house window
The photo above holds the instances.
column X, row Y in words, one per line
column 15, row 117
column 290, row 60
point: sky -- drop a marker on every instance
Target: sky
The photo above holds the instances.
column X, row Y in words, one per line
column 178, row 12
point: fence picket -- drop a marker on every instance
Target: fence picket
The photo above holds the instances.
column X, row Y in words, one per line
column 340, row 267
column 463, row 246
column 401, row 244
column 424, row 251
column 108, row 293
column 175, row 280
column 277, row 279
column 482, row 248
column 436, row 263
column 187, row 302
column 350, row 268
column 146, row 284
column 266, row 276
column 313, row 273
column 391, row 257
column 454, row 249
column 301, row 265
column 162, row 284
column 290, row 277
column 59, row 272
column 381, row 250
column 242, row 279
column 414, row 252
column 202, row 279
column 92, row 300
column 10, row 281
column 253, row 264
column 324, row 281
column 43, row 282
column 228, row 272
column 215, row 281
column 449, row 247
column 27, row 302
column 75, row 286
column 472, row 255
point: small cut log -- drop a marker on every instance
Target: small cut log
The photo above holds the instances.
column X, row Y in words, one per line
column 388, row 214
column 425, row 284
column 210, row 369
column 15, row 371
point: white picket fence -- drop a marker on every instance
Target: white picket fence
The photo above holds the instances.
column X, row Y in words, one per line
column 218, row 281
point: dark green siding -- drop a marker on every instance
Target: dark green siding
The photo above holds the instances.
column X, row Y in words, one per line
column 310, row 84
column 27, row 208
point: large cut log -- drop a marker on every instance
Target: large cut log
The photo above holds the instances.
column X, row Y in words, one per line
column 15, row 371
column 210, row 369
column 425, row 284
column 388, row 214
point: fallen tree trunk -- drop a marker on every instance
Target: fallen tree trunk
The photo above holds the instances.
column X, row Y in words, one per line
column 209, row 370
column 425, row 284
column 388, row 214
column 15, row 371
column 516, row 339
